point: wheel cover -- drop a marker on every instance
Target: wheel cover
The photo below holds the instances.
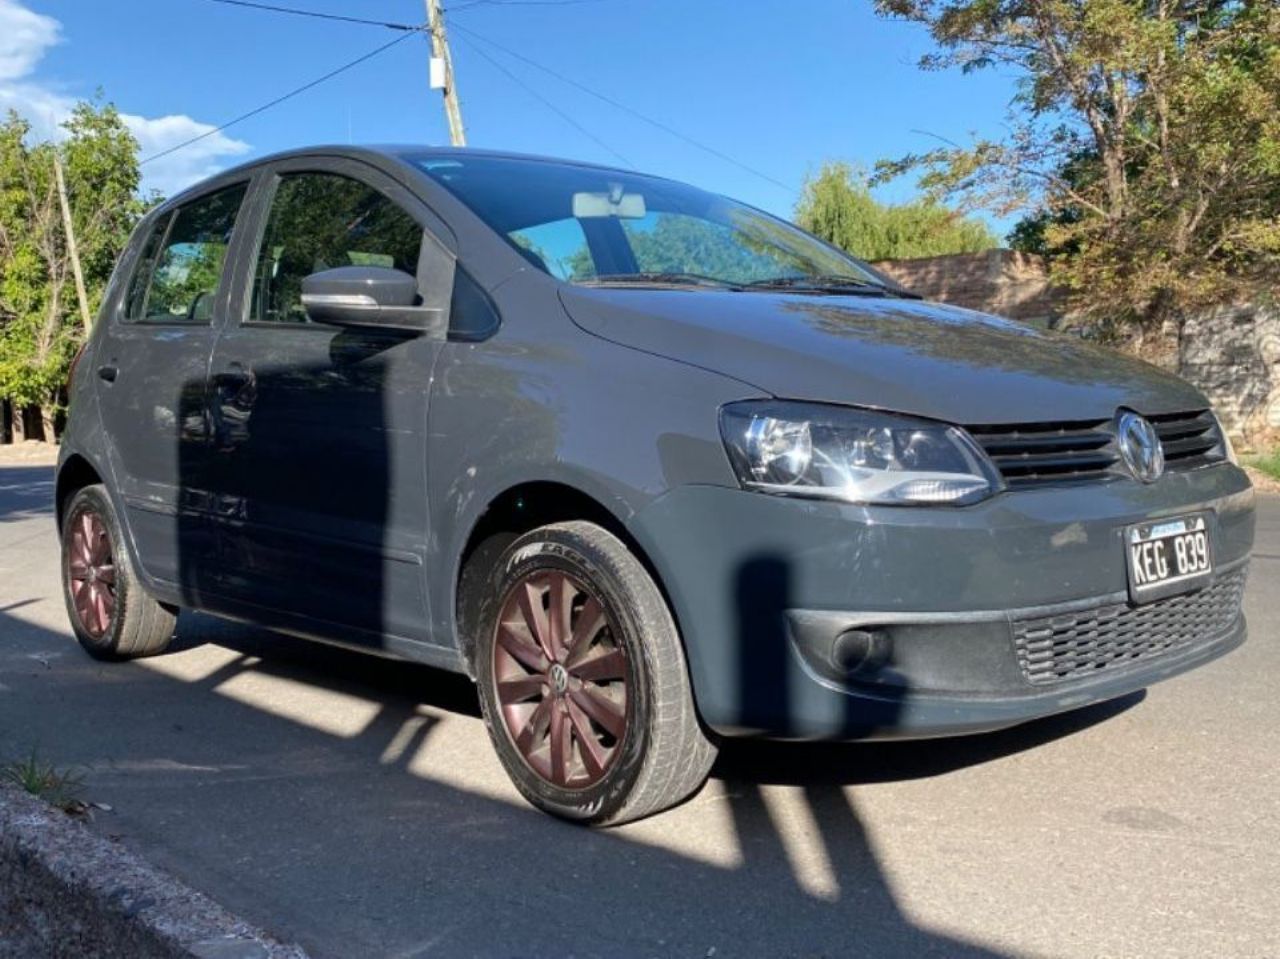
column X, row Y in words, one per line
column 91, row 573
column 560, row 677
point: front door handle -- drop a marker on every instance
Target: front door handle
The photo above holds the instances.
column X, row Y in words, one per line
column 108, row 373
column 232, row 379
column 234, row 392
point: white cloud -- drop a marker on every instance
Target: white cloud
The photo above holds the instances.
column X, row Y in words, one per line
column 201, row 159
column 42, row 107
column 25, row 36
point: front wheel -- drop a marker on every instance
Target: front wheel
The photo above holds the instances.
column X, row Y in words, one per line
column 583, row 681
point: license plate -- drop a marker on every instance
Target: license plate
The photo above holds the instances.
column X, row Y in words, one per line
column 1167, row 557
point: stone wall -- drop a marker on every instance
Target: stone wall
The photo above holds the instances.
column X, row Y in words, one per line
column 1233, row 354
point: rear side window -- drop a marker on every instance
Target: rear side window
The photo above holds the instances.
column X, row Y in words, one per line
column 319, row 221
column 181, row 264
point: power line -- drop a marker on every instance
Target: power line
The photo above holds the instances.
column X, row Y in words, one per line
column 626, row 109
column 547, row 103
column 318, row 15
column 520, row 3
column 278, row 100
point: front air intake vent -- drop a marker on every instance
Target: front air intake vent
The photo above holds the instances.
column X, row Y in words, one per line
column 1040, row 454
column 1190, row 440
column 1081, row 451
column 1077, row 645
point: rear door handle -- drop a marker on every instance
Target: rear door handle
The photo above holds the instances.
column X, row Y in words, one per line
column 108, row 373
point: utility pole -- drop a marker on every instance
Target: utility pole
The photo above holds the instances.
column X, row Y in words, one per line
column 440, row 52
column 81, row 296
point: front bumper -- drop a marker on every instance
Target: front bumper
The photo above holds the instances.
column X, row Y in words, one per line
column 961, row 602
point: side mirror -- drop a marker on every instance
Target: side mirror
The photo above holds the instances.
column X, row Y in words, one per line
column 371, row 297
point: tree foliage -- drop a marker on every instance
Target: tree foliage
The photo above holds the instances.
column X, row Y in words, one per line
column 40, row 325
column 837, row 205
column 1145, row 136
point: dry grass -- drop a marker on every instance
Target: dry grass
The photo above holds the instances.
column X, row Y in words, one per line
column 28, row 453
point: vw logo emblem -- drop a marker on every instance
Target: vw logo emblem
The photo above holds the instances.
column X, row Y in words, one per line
column 1140, row 447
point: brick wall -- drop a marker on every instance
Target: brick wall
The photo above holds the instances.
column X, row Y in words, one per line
column 1005, row 282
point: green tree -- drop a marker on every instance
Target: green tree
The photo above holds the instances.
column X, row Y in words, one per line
column 1145, row 138
column 837, row 205
column 40, row 328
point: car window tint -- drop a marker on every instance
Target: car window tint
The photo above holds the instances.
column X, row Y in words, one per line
column 319, row 221
column 559, row 247
column 183, row 260
column 142, row 272
column 634, row 223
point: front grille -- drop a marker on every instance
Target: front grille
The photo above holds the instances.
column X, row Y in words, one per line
column 1189, row 440
column 1075, row 645
column 1076, row 451
column 1036, row 454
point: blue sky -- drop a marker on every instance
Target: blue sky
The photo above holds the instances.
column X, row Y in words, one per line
column 779, row 87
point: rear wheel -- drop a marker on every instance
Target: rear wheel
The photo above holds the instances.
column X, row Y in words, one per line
column 583, row 679
column 111, row 615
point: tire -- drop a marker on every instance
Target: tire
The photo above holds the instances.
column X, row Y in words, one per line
column 111, row 615
column 616, row 650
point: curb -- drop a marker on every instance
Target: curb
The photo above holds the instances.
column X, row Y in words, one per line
column 65, row 891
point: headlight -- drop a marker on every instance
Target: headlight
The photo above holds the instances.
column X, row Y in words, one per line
column 805, row 449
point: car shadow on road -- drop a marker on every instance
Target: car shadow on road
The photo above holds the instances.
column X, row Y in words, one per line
column 354, row 804
column 383, row 811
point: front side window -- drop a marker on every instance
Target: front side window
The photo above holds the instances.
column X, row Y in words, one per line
column 181, row 263
column 590, row 225
column 320, row 221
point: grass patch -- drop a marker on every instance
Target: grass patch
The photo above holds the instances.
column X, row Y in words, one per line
column 1268, row 463
column 58, row 787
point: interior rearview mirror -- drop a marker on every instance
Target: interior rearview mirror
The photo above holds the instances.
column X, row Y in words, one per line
column 374, row 297
column 626, row 206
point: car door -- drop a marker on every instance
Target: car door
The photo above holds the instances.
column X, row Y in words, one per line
column 319, row 454
column 152, row 366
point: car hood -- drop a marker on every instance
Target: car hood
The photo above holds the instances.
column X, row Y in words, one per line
column 910, row 356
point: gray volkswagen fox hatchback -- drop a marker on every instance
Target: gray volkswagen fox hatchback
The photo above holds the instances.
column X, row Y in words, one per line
column 651, row 466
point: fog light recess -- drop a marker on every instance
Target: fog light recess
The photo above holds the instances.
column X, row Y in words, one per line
column 861, row 652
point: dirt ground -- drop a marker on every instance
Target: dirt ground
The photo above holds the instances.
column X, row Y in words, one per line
column 28, row 452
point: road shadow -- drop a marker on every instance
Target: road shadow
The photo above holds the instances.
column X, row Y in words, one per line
column 864, row 763
column 364, row 808
column 373, row 844
column 25, row 491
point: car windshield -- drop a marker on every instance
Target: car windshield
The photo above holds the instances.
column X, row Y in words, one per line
column 595, row 226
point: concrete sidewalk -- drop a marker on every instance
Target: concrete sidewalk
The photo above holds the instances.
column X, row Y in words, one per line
column 355, row 806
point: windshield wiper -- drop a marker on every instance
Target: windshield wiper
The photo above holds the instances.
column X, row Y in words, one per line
column 658, row 279
column 828, row 284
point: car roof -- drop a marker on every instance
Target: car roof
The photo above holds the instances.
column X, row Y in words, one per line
column 380, row 155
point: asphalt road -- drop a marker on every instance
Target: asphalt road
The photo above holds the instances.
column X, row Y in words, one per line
column 354, row 805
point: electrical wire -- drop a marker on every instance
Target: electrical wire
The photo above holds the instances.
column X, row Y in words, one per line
column 318, row 14
column 626, row 109
column 545, row 102
column 517, row 3
column 278, row 100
